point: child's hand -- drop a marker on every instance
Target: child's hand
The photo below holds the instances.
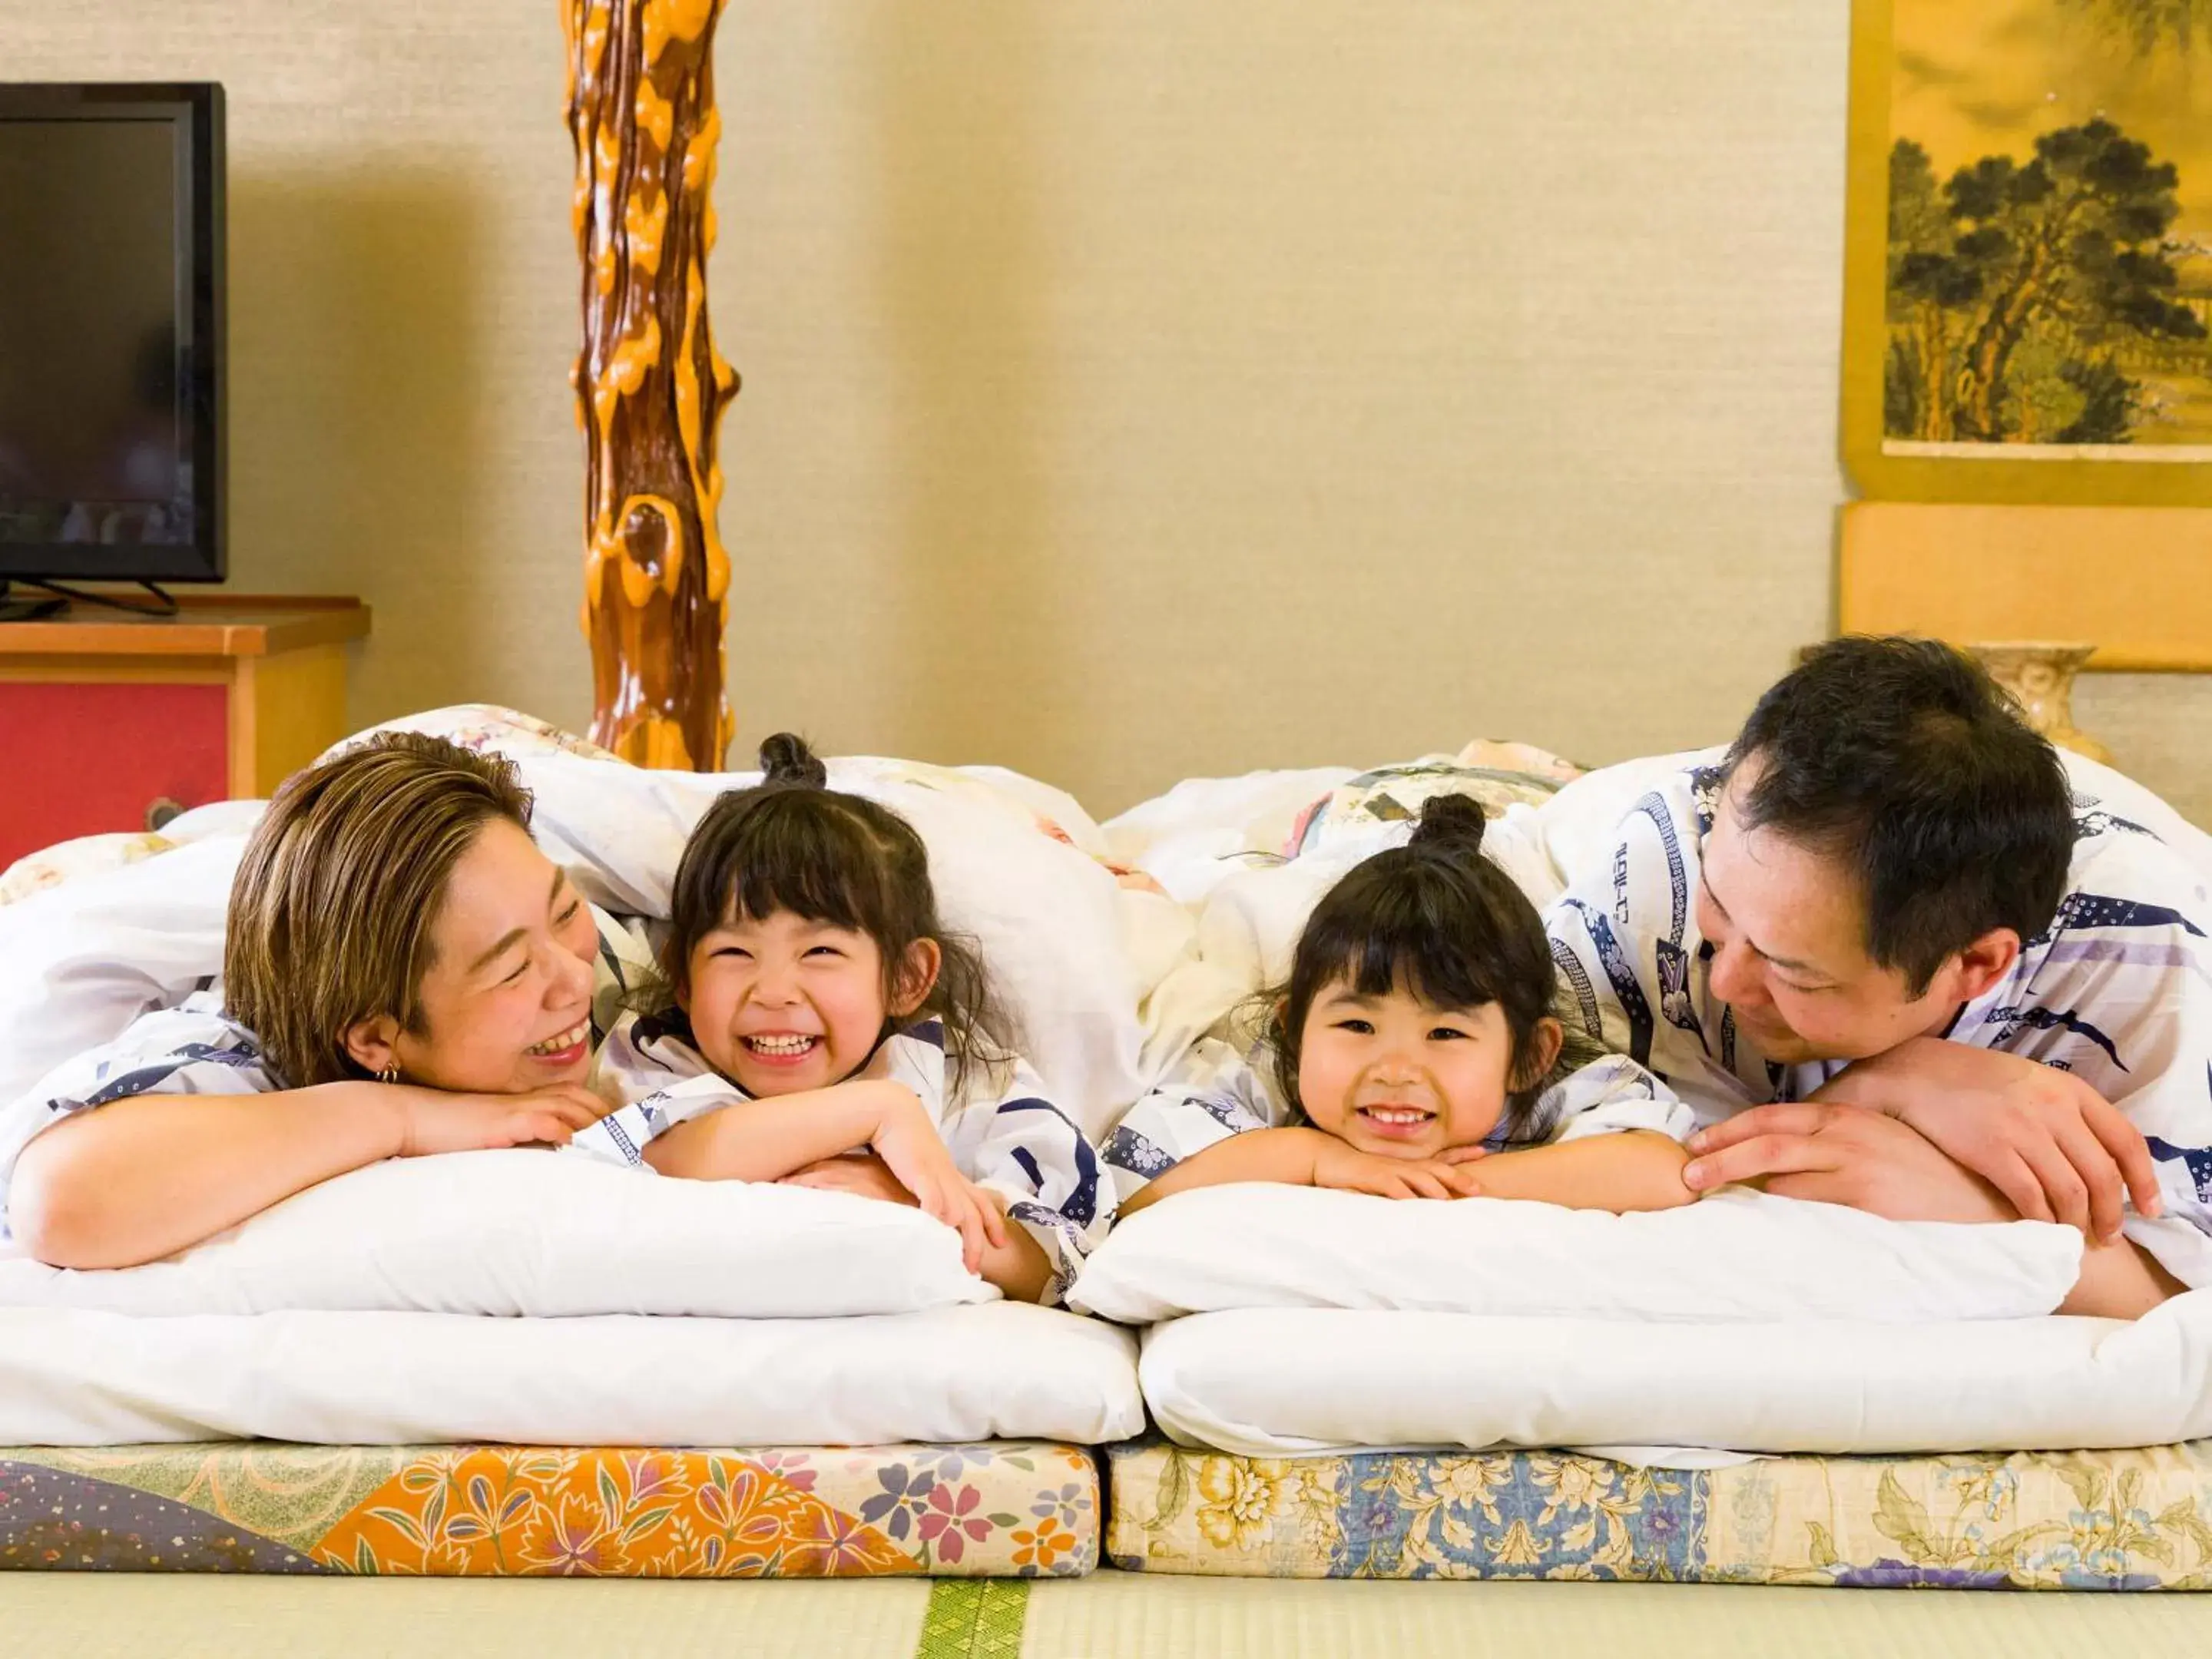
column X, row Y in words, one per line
column 1351, row 1171
column 910, row 1147
column 432, row 1120
column 863, row 1174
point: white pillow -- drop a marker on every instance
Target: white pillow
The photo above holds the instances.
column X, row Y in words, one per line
column 544, row 1234
column 1736, row 1256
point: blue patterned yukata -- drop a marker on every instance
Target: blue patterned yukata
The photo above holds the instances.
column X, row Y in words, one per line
column 1004, row 1133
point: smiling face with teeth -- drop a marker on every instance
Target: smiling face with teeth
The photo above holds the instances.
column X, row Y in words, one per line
column 1397, row 1075
column 507, row 996
column 782, row 1004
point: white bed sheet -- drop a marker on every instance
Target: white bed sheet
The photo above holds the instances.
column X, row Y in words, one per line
column 1282, row 1382
column 992, row 1371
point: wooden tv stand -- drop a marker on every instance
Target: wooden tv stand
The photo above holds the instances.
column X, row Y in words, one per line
column 113, row 722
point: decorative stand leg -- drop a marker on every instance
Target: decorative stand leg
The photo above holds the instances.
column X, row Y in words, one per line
column 650, row 386
column 2039, row 674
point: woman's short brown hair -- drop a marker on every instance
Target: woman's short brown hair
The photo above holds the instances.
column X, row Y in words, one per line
column 340, row 887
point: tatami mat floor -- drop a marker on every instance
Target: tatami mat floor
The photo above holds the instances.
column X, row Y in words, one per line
column 94, row 1615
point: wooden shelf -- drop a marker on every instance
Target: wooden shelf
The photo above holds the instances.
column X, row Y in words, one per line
column 206, row 625
column 111, row 722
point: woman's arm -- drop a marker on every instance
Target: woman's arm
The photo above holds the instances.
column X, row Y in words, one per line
column 141, row 1178
column 1633, row 1169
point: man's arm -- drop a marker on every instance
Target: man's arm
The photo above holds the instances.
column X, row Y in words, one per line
column 2051, row 1145
column 1828, row 1154
column 1624, row 935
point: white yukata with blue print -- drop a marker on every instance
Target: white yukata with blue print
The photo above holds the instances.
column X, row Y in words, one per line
column 1218, row 1095
column 1005, row 1133
column 2117, row 990
column 198, row 1049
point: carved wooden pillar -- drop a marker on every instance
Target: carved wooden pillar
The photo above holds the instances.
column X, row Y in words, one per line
column 650, row 386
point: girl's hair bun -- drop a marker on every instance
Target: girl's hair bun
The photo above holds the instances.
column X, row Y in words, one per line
column 1451, row 823
column 787, row 762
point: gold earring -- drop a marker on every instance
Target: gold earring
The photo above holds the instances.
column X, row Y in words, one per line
column 390, row 1073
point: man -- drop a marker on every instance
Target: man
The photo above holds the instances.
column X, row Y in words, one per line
column 1950, row 990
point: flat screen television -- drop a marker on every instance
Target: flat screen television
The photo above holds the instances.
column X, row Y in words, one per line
column 111, row 463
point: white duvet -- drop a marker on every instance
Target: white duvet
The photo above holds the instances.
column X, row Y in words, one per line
column 1002, row 1370
column 1281, row 1381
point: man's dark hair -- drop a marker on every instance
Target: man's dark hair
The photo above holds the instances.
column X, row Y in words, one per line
column 1903, row 760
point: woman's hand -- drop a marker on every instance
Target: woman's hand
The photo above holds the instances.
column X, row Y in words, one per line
column 1348, row 1169
column 431, row 1121
column 913, row 1151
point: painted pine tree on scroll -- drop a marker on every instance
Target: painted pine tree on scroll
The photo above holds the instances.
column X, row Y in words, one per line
column 650, row 386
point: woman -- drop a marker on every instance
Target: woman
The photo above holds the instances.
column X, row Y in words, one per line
column 404, row 972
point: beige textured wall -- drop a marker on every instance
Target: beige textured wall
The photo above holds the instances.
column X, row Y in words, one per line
column 1131, row 391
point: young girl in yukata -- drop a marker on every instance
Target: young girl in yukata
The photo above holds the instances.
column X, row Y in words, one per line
column 1417, row 1040
column 817, row 1025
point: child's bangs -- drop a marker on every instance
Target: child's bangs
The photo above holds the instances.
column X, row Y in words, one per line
column 809, row 863
column 1406, row 943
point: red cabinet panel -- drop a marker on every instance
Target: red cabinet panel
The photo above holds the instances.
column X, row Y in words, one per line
column 83, row 759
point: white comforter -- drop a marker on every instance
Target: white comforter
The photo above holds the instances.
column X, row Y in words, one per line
column 1276, row 1381
column 1002, row 1370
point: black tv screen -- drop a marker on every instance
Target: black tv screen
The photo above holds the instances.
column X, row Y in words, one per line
column 111, row 332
